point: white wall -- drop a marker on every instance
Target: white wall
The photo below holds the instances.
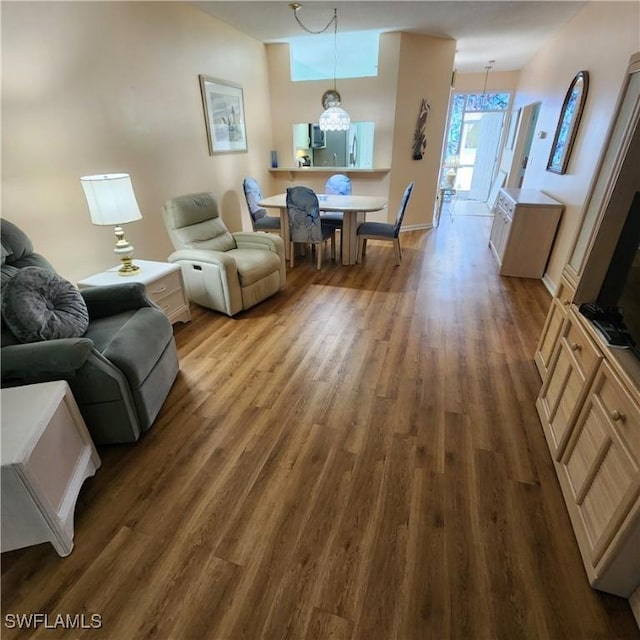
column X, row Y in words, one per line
column 391, row 100
column 600, row 39
column 98, row 87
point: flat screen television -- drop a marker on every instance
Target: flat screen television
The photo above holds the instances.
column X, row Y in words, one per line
column 621, row 285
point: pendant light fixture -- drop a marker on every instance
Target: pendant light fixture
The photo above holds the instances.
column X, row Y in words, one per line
column 484, row 100
column 334, row 117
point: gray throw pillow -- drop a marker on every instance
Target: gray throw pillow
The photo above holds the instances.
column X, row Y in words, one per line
column 37, row 304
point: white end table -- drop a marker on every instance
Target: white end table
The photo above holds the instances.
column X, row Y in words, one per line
column 162, row 280
column 47, row 453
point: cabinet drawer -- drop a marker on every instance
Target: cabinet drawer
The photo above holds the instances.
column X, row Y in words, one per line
column 164, row 286
column 172, row 303
column 507, row 205
column 584, row 351
column 565, row 294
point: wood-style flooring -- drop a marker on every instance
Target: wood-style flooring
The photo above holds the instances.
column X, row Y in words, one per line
column 357, row 458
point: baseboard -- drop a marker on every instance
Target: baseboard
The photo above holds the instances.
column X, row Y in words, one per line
column 416, row 227
column 550, row 284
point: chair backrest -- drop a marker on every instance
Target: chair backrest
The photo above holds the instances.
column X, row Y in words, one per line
column 338, row 185
column 253, row 195
column 304, row 215
column 402, row 209
column 193, row 222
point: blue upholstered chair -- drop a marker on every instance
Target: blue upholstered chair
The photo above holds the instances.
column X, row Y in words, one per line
column 259, row 218
column 305, row 225
column 337, row 185
column 384, row 230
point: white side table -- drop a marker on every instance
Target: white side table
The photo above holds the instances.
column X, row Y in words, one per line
column 162, row 280
column 47, row 453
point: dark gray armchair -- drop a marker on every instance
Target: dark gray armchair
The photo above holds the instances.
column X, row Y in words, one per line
column 120, row 370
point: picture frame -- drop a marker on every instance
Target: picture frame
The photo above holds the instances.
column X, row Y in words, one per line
column 568, row 123
column 223, row 104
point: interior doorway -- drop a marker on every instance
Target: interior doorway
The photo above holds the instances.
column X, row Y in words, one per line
column 472, row 147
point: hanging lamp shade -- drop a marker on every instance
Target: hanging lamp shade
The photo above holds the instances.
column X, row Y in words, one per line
column 335, row 118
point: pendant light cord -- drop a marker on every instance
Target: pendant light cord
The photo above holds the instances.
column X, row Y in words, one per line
column 334, row 19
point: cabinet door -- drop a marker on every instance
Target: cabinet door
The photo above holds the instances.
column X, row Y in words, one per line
column 499, row 233
column 572, row 367
column 552, row 327
column 601, row 464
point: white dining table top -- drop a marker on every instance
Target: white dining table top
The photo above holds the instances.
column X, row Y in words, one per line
column 332, row 203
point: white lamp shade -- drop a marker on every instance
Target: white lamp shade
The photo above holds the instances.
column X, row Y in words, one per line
column 335, row 118
column 110, row 198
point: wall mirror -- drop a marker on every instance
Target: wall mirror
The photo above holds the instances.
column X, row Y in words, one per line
column 568, row 123
column 346, row 149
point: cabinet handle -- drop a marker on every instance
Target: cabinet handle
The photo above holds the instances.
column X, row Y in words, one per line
column 616, row 416
column 160, row 290
column 576, row 347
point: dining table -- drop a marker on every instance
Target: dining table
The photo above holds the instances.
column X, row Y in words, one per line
column 354, row 208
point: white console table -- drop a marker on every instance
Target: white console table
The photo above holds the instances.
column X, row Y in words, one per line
column 47, row 454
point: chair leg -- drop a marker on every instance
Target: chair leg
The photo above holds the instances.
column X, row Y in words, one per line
column 333, row 246
column 396, row 246
column 364, row 246
column 291, row 254
column 319, row 255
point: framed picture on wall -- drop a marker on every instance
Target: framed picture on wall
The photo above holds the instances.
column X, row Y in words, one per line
column 223, row 104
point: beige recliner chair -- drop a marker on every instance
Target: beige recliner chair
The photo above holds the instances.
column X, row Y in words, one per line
column 224, row 271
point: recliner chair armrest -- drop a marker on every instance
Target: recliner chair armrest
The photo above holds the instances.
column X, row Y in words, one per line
column 219, row 258
column 44, row 361
column 112, row 299
column 253, row 240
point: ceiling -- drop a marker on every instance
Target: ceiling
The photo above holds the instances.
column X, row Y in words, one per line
column 509, row 32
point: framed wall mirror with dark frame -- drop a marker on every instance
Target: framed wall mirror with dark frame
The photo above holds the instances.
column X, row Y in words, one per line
column 568, row 123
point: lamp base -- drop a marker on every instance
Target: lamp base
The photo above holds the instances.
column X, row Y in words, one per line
column 128, row 268
column 125, row 251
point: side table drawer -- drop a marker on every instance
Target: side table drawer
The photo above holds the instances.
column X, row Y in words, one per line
column 173, row 303
column 164, row 286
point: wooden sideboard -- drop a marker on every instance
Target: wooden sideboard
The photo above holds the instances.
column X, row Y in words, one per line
column 589, row 403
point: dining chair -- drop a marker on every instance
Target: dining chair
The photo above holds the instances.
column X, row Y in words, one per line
column 260, row 221
column 337, row 185
column 305, row 224
column 384, row 230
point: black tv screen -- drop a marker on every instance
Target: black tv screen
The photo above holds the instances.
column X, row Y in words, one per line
column 621, row 286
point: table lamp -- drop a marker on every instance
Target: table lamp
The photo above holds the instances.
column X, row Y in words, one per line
column 112, row 202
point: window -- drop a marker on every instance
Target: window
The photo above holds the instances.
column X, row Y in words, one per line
column 313, row 57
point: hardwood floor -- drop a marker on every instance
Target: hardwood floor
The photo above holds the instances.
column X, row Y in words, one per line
column 359, row 457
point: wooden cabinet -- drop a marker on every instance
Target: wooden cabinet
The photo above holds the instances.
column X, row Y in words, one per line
column 553, row 326
column 524, row 227
column 572, row 367
column 589, row 404
column 599, row 472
